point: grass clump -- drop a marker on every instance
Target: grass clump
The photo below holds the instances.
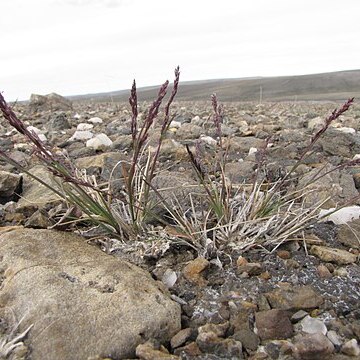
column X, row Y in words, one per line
column 219, row 216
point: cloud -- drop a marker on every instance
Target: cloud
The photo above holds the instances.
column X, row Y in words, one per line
column 101, row 3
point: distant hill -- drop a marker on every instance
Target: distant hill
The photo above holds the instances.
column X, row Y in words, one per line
column 316, row 87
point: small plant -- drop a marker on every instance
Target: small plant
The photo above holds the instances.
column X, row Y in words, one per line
column 265, row 214
column 98, row 206
column 220, row 216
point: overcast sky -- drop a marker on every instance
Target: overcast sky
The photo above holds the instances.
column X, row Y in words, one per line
column 88, row 46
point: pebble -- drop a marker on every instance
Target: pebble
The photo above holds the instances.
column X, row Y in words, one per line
column 299, row 315
column 84, row 127
column 193, row 271
column 148, row 351
column 313, row 347
column 273, row 324
column 334, row 338
column 323, row 272
column 294, row 298
column 337, row 256
column 180, row 338
column 99, row 142
column 252, row 269
column 81, row 135
column 313, row 326
column 95, row 120
column 351, row 348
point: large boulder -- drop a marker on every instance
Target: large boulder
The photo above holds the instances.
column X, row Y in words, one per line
column 81, row 302
column 51, row 102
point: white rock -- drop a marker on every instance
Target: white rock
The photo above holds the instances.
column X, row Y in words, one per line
column 84, row 127
column 77, row 116
column 196, row 118
column 169, row 278
column 95, row 120
column 346, row 130
column 351, row 348
column 99, row 141
column 356, row 156
column 82, row 135
column 252, row 150
column 38, row 132
column 208, row 140
column 313, row 326
column 342, row 216
column 175, row 124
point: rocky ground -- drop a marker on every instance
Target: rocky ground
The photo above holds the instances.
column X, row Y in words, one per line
column 300, row 301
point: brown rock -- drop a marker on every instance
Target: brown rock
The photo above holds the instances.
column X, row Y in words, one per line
column 217, row 329
column 149, row 351
column 273, row 324
column 313, row 347
column 340, row 257
column 323, row 272
column 284, row 254
column 180, row 338
column 193, row 271
column 294, row 298
column 191, row 349
column 252, row 269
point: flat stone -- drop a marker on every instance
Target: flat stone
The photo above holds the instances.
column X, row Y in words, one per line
column 35, row 194
column 252, row 269
column 311, row 325
column 294, row 298
column 193, row 271
column 80, row 300
column 337, row 256
column 313, row 347
column 273, row 324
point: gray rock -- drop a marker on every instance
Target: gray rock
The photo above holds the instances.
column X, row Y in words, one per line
column 273, row 324
column 299, row 315
column 51, row 102
column 35, row 194
column 59, row 121
column 240, row 172
column 338, row 143
column 349, row 234
column 189, row 131
column 242, row 145
column 248, row 338
column 313, row 347
column 9, row 183
column 81, row 302
column 311, row 325
column 334, row 338
column 336, row 185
